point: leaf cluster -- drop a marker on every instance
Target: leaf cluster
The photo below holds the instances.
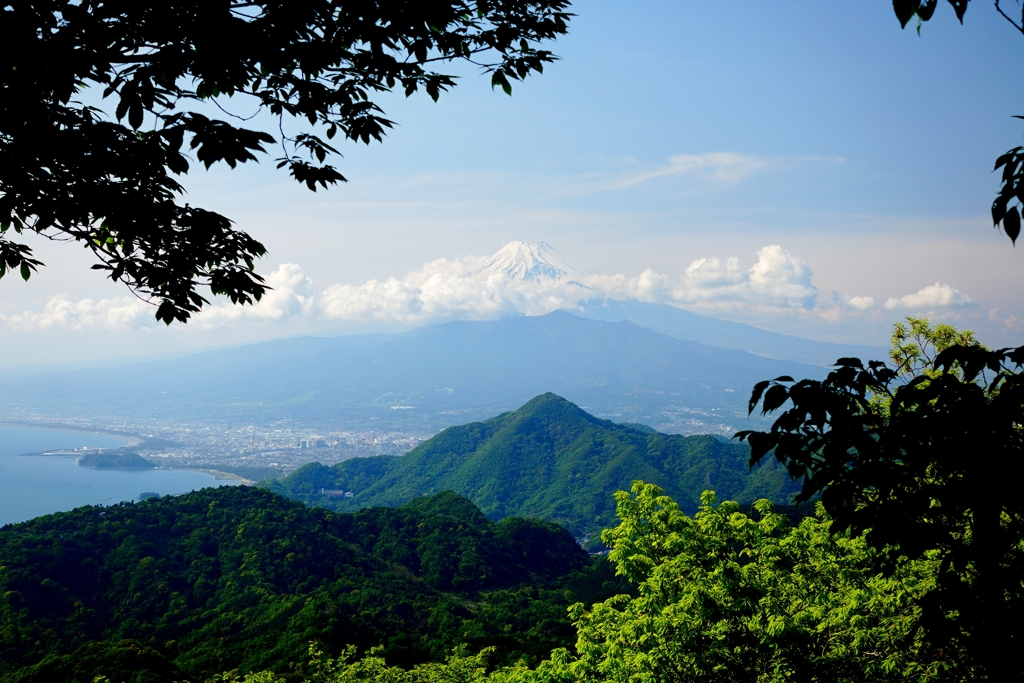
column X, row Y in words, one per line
column 916, row 343
column 726, row 596
column 68, row 171
column 458, row 667
column 937, row 474
column 1008, row 206
column 924, row 9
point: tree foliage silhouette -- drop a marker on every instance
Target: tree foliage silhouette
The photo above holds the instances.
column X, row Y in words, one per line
column 68, row 171
column 1008, row 206
column 934, row 469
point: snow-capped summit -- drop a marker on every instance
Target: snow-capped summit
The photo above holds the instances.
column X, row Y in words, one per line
column 532, row 261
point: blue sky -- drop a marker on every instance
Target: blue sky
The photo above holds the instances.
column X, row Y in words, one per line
column 669, row 132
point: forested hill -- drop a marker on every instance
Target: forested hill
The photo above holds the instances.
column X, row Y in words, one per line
column 186, row 587
column 549, row 460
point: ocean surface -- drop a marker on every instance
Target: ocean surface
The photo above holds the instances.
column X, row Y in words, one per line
column 38, row 485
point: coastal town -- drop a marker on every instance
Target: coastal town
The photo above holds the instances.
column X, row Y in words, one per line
column 251, row 452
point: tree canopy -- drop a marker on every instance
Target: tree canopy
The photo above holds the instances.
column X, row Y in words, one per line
column 720, row 596
column 728, row 596
column 183, row 587
column 178, row 81
column 933, row 468
column 550, row 460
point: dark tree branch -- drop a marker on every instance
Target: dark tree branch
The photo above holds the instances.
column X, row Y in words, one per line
column 1019, row 27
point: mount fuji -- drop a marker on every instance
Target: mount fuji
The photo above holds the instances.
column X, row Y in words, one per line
column 532, row 261
column 629, row 361
column 539, row 261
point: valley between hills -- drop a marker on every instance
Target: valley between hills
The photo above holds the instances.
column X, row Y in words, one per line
column 548, row 460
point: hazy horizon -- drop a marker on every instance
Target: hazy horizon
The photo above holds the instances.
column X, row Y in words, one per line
column 777, row 166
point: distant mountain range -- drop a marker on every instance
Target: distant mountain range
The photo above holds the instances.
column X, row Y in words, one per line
column 682, row 324
column 652, row 363
column 427, row 379
column 548, row 460
column 539, row 261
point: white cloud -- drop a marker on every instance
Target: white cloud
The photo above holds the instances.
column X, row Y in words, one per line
column 714, row 168
column 445, row 289
column 778, row 283
column 60, row 311
column 291, row 296
column 777, row 280
column 719, row 167
column 861, row 303
column 932, row 297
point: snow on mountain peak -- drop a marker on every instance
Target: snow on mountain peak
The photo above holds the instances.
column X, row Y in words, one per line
column 532, row 261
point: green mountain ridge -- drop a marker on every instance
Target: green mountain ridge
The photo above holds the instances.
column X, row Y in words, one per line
column 237, row 577
column 549, row 460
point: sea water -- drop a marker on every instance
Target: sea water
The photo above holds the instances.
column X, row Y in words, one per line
column 33, row 485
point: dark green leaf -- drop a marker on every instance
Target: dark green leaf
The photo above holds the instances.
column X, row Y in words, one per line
column 1011, row 224
column 776, row 395
column 999, row 210
column 755, row 395
column 905, row 10
column 135, row 114
column 1003, row 159
column 960, row 7
column 926, row 9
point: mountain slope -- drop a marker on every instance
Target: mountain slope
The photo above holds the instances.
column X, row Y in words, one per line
column 538, row 261
column 549, row 460
column 444, row 375
column 238, row 577
column 531, row 261
column 725, row 334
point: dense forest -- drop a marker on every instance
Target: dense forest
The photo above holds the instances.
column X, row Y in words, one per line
column 883, row 569
column 549, row 460
column 240, row 578
column 722, row 595
column 242, row 581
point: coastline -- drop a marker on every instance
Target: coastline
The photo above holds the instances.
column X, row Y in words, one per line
column 131, row 439
column 58, row 452
column 217, row 475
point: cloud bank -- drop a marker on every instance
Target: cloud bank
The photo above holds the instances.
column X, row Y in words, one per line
column 472, row 288
column 60, row 311
column 932, row 297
